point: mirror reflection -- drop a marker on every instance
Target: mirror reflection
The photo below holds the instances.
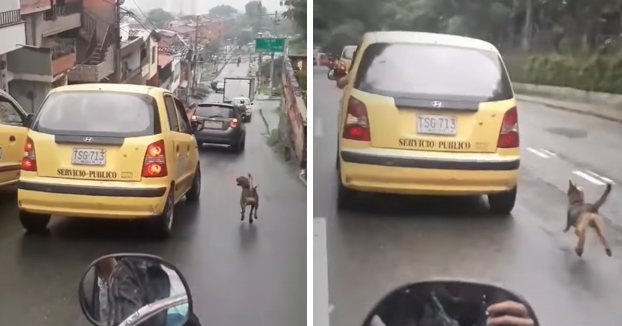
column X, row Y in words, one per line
column 451, row 304
column 133, row 291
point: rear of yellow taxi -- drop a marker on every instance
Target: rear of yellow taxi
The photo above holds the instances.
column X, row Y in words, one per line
column 428, row 114
column 345, row 60
column 119, row 163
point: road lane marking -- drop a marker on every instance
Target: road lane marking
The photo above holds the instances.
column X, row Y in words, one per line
column 318, row 128
column 548, row 152
column 321, row 306
column 588, row 178
column 598, row 176
column 537, row 152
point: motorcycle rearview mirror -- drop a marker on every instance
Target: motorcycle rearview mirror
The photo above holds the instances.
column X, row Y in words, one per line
column 129, row 289
column 449, row 303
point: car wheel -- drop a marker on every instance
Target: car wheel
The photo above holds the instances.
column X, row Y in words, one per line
column 248, row 119
column 35, row 223
column 194, row 193
column 239, row 147
column 163, row 223
column 345, row 197
column 502, row 202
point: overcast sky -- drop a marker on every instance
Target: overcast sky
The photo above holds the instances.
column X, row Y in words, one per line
column 202, row 6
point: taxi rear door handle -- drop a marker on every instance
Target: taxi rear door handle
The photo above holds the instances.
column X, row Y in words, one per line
column 177, row 148
column 12, row 138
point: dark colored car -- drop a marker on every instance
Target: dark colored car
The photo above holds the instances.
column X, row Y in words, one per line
column 220, row 123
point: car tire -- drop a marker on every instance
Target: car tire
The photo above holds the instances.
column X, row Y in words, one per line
column 248, row 119
column 163, row 223
column 33, row 222
column 194, row 193
column 345, row 197
column 240, row 146
column 502, row 202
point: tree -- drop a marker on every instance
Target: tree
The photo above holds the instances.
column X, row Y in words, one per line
column 159, row 17
column 225, row 11
column 297, row 11
column 253, row 9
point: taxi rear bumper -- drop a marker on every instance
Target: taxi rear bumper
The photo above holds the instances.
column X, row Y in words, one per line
column 419, row 173
column 91, row 201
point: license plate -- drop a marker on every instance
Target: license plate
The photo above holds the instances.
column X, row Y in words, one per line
column 88, row 156
column 436, row 125
column 212, row 124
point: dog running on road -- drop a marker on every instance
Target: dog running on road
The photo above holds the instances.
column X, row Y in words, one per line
column 248, row 197
column 582, row 215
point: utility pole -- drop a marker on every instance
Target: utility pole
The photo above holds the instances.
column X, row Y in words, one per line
column 272, row 62
column 196, row 57
column 117, row 36
column 259, row 31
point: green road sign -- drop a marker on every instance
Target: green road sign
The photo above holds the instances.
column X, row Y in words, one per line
column 269, row 44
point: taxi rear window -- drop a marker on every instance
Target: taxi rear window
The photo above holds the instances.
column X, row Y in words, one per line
column 114, row 114
column 215, row 111
column 348, row 53
column 435, row 72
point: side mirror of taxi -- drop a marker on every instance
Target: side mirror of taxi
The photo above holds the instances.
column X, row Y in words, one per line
column 30, row 118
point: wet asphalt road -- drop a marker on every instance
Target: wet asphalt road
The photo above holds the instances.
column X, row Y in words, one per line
column 391, row 240
column 239, row 274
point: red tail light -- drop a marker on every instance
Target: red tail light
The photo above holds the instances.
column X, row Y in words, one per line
column 508, row 135
column 356, row 126
column 194, row 118
column 234, row 122
column 154, row 165
column 29, row 162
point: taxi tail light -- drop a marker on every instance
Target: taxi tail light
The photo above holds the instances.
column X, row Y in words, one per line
column 194, row 118
column 356, row 126
column 508, row 135
column 29, row 162
column 234, row 123
column 154, row 165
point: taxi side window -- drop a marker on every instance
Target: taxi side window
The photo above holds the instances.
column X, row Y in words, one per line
column 171, row 112
column 354, row 56
column 184, row 123
column 9, row 114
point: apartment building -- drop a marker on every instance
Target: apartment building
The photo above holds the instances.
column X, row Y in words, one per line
column 49, row 50
column 12, row 32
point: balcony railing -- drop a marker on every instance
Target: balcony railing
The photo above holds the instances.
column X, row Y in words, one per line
column 63, row 48
column 44, row 63
column 63, row 10
column 10, row 17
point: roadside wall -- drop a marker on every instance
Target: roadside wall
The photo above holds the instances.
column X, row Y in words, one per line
column 294, row 111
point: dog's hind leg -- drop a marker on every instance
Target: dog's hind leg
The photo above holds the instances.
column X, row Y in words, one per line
column 580, row 231
column 250, row 214
column 599, row 227
column 256, row 208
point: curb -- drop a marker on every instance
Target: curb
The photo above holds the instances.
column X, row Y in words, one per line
column 531, row 99
column 265, row 121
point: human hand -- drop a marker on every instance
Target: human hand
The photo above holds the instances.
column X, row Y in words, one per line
column 509, row 313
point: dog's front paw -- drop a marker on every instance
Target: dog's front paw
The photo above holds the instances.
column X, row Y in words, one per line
column 608, row 252
column 579, row 251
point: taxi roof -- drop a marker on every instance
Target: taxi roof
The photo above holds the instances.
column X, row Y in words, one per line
column 428, row 38
column 129, row 88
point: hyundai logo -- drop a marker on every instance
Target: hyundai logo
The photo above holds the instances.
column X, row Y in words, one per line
column 437, row 104
column 88, row 139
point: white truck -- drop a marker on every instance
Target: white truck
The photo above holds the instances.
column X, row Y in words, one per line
column 238, row 87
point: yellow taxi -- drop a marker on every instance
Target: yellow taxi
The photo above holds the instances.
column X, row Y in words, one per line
column 429, row 114
column 14, row 123
column 345, row 60
column 113, row 151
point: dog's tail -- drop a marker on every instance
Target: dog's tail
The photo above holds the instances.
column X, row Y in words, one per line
column 250, row 180
column 603, row 197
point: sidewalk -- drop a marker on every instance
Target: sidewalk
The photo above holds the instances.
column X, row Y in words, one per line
column 268, row 109
column 605, row 112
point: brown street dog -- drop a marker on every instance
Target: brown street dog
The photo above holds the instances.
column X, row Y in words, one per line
column 584, row 215
column 248, row 197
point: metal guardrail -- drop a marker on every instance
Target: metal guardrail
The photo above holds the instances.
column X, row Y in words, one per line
column 10, row 17
column 295, row 113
